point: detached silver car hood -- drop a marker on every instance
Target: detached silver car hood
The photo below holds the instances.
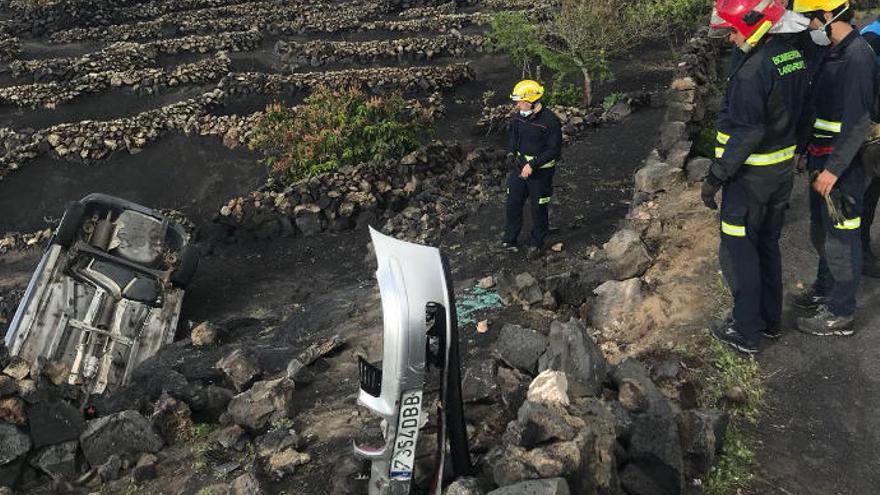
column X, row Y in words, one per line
column 420, row 331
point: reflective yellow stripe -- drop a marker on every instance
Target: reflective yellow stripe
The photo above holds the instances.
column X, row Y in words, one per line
column 544, row 201
column 550, row 164
column 733, row 230
column 850, row 224
column 722, row 138
column 827, row 125
column 764, row 159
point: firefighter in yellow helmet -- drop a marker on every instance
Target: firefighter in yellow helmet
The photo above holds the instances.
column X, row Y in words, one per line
column 838, row 116
column 535, row 142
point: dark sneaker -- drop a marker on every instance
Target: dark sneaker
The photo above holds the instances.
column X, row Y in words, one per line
column 807, row 299
column 508, row 245
column 726, row 334
column 534, row 253
column 773, row 331
column 825, row 323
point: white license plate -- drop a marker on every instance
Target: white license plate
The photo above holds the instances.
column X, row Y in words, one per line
column 407, row 434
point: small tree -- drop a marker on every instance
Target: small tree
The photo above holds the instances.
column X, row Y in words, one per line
column 514, row 34
column 592, row 32
column 338, row 127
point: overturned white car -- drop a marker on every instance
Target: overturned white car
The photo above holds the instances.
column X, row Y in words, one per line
column 107, row 292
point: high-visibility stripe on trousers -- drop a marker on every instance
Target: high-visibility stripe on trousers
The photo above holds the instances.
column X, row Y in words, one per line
column 538, row 189
column 733, row 230
column 838, row 243
column 752, row 214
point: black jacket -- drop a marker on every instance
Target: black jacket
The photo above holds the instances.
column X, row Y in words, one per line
column 758, row 122
column 839, row 109
column 539, row 135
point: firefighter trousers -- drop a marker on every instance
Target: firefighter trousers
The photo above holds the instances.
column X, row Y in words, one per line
column 538, row 188
column 753, row 208
column 838, row 243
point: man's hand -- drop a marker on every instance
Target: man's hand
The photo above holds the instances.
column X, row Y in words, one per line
column 800, row 163
column 711, row 185
column 526, row 171
column 824, row 182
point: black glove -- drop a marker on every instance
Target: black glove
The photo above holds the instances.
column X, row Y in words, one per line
column 711, row 185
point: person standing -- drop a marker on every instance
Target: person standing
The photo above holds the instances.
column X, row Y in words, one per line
column 756, row 142
column 535, row 140
column 871, row 162
column 842, row 96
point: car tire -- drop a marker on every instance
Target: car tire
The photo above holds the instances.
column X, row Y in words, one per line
column 66, row 232
column 186, row 267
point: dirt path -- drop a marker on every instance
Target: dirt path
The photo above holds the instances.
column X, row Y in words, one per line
column 821, row 430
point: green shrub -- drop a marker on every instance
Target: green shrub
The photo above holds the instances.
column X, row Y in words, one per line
column 566, row 95
column 676, row 19
column 732, row 471
column 609, row 101
column 704, row 142
column 338, row 127
column 200, row 431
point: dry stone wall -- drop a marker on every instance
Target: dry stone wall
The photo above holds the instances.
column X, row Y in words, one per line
column 294, row 55
column 146, row 81
column 442, row 9
column 376, row 79
column 373, row 192
column 270, row 15
column 10, row 46
column 121, row 56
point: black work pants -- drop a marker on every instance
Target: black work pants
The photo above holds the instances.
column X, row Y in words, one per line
column 872, row 196
column 753, row 208
column 838, row 244
column 538, row 189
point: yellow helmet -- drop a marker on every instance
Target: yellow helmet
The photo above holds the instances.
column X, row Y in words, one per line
column 802, row 6
column 527, row 90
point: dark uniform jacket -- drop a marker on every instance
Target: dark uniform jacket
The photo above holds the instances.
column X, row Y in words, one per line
column 839, row 108
column 537, row 139
column 758, row 122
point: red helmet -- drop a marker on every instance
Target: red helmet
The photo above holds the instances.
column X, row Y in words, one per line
column 751, row 18
column 716, row 22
